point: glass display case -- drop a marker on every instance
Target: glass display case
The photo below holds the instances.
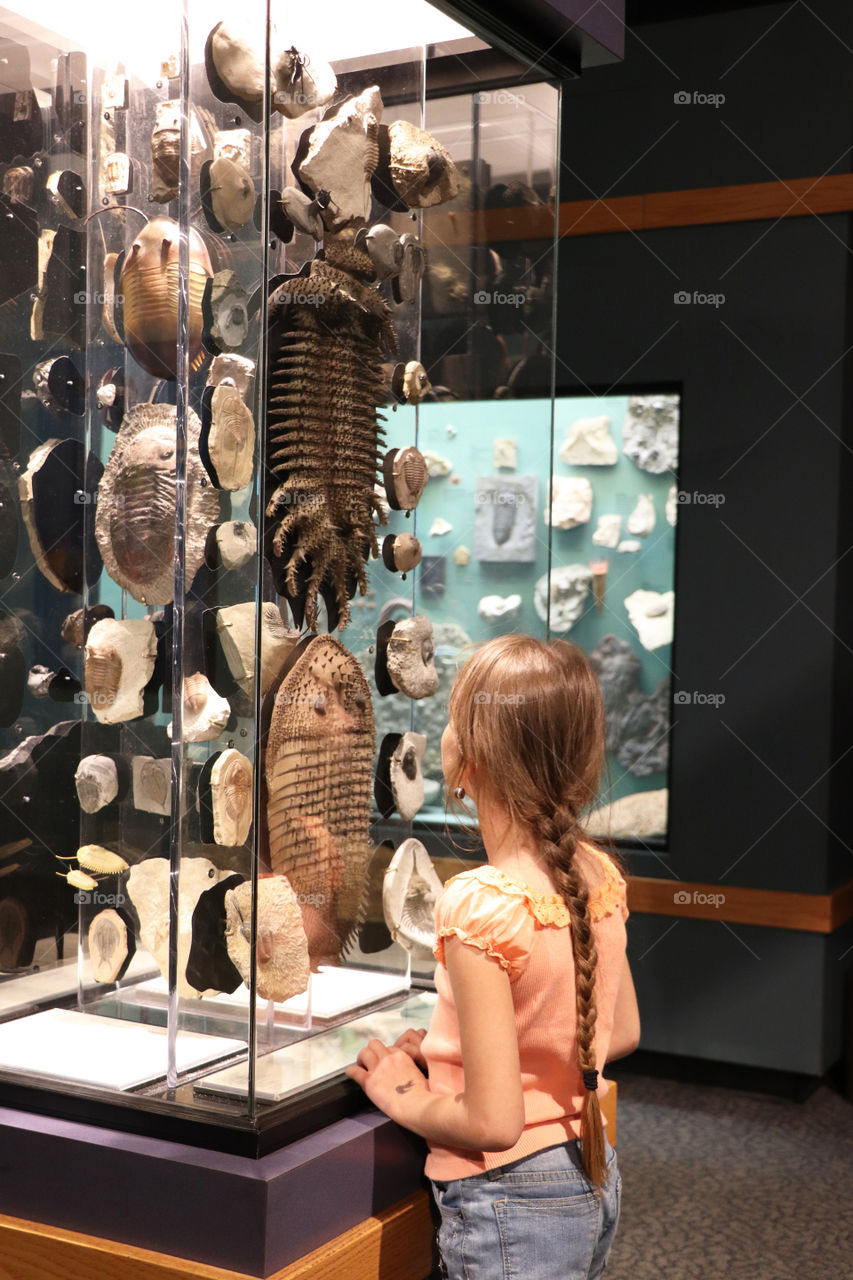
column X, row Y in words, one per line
column 280, row 440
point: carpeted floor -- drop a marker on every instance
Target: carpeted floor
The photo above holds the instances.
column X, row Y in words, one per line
column 724, row 1185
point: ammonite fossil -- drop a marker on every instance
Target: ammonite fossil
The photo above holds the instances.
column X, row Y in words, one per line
column 135, row 521
column 282, row 963
column 148, row 283
column 409, row 892
column 318, row 773
column 410, row 657
column 326, row 383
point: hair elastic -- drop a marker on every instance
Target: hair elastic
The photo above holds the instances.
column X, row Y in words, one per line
column 590, row 1080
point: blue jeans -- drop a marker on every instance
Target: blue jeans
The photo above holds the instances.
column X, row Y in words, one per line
column 539, row 1218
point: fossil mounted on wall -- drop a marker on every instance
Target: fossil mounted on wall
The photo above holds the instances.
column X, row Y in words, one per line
column 227, row 441
column 152, row 784
column 302, row 83
column 235, row 626
column 282, row 961
column 148, row 887
column 399, row 776
column 225, row 798
column 325, row 386
column 505, row 517
column 409, row 892
column 405, row 658
column 111, row 946
column 339, row 154
column 318, row 770
column 148, row 285
column 55, row 490
column 118, row 662
column 135, row 522
column 96, row 782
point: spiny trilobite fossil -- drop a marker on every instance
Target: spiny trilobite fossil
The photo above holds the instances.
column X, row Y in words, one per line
column 325, row 386
column 318, row 770
column 135, row 521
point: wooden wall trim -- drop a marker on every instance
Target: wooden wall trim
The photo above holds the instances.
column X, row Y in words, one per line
column 770, row 908
column 747, row 202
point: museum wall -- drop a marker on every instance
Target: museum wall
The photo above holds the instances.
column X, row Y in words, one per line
column 759, row 780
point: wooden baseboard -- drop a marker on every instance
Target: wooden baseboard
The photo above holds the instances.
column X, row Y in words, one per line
column 395, row 1245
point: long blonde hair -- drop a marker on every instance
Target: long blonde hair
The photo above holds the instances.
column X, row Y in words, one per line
column 529, row 716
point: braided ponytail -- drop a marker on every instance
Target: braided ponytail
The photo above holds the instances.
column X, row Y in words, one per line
column 530, row 714
column 558, row 833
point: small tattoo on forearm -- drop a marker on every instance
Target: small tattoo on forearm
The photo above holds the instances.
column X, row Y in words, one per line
column 404, row 1088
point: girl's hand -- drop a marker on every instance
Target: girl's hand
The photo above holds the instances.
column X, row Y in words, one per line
column 388, row 1077
column 410, row 1042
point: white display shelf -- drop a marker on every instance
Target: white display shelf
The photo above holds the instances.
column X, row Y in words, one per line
column 335, row 992
column 286, row 1071
column 17, row 994
column 66, row 1045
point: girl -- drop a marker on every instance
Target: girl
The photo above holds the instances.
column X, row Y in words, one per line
column 534, row 989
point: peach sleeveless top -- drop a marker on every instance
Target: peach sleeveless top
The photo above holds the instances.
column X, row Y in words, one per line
column 528, row 934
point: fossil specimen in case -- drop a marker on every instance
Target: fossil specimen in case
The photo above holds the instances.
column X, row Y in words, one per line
column 399, row 778
column 225, row 798
column 283, row 966
column 135, row 520
column 96, row 782
column 325, row 386
column 152, row 784
column 318, row 771
column 409, row 892
column 148, row 283
column 55, row 491
column 227, row 445
column 118, row 662
column 111, row 946
column 148, row 886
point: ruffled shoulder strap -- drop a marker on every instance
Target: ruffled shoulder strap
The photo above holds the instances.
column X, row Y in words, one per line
column 546, row 908
column 610, row 894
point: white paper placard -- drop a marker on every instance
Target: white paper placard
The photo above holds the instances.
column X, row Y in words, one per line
column 335, row 991
column 318, row 1057
column 67, row 1045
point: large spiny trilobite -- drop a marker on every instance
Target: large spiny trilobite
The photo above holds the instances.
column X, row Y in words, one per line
column 325, row 386
column 318, row 771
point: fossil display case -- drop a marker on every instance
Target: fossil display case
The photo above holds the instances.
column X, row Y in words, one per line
column 280, row 439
